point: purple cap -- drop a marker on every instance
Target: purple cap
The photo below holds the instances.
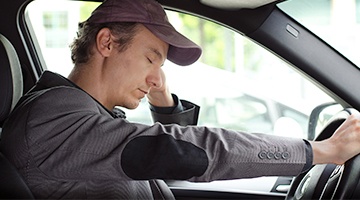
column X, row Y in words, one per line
column 151, row 14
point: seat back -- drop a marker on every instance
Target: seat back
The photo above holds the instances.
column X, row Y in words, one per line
column 12, row 185
column 11, row 80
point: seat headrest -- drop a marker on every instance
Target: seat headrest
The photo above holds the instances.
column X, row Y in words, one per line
column 11, row 80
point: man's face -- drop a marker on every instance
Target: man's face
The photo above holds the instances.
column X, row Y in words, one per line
column 133, row 72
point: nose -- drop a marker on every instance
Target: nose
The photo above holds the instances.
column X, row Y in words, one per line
column 155, row 79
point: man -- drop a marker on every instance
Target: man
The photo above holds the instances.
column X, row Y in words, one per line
column 67, row 142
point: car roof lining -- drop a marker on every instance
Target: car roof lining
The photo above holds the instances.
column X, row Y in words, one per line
column 237, row 4
column 247, row 20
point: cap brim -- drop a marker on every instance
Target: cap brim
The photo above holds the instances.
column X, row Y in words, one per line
column 182, row 51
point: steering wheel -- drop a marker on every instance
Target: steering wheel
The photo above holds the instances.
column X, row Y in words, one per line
column 329, row 181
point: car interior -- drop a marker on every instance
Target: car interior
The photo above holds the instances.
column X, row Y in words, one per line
column 260, row 21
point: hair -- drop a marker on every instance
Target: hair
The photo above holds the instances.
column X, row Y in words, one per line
column 81, row 48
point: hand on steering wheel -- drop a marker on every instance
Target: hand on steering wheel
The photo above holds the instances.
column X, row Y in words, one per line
column 331, row 181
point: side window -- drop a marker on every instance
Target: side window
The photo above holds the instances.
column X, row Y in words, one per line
column 238, row 84
column 252, row 114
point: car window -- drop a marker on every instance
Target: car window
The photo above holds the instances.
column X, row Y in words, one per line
column 237, row 83
column 336, row 22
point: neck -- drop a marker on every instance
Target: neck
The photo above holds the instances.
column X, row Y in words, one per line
column 90, row 81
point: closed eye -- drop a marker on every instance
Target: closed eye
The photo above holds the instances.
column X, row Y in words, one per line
column 150, row 60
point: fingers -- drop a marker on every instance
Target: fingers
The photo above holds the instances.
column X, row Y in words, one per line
column 161, row 96
column 160, row 83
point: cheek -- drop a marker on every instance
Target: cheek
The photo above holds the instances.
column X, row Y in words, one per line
column 136, row 73
column 133, row 70
column 129, row 80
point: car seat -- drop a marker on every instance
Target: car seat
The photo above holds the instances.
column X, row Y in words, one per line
column 12, row 185
column 11, row 81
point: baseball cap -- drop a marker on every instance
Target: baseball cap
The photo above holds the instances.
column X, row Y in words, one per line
column 150, row 13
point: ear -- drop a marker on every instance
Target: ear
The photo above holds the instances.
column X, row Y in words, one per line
column 103, row 42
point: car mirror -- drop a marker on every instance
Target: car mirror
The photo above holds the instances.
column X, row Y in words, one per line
column 319, row 117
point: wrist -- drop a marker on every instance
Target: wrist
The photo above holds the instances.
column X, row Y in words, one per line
column 325, row 152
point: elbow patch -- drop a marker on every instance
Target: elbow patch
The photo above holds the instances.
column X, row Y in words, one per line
column 162, row 157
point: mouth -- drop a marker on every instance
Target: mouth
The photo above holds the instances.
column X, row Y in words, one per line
column 143, row 91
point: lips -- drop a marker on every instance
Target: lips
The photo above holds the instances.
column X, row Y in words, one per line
column 145, row 92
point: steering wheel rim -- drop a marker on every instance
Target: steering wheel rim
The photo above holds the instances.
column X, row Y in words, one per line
column 328, row 181
column 348, row 185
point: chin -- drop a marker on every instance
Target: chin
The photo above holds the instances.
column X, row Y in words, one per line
column 132, row 106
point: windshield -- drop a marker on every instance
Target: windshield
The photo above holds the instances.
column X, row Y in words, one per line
column 336, row 22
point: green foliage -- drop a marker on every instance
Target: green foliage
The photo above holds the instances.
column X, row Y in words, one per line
column 252, row 57
column 86, row 8
column 210, row 37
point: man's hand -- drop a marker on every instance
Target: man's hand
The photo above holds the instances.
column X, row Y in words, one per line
column 341, row 146
column 161, row 96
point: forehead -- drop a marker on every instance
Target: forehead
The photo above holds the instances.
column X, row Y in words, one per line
column 146, row 39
